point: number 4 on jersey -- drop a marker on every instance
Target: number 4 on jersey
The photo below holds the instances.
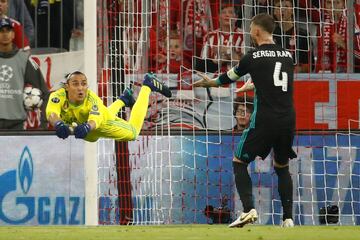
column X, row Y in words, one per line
column 283, row 82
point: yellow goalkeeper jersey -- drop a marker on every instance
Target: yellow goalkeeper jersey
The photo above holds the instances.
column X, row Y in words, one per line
column 108, row 125
column 91, row 109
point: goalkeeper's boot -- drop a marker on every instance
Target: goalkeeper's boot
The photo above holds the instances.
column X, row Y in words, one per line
column 245, row 218
column 127, row 97
column 287, row 223
column 155, row 85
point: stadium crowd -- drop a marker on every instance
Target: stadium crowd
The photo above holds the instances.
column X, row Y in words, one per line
column 213, row 39
column 205, row 35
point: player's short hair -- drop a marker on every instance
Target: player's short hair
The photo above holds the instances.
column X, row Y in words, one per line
column 68, row 76
column 265, row 21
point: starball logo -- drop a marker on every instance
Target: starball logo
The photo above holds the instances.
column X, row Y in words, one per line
column 25, row 209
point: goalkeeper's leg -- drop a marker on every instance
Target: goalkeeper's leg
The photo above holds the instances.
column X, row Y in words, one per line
column 139, row 109
column 119, row 129
column 115, row 107
column 138, row 113
column 126, row 99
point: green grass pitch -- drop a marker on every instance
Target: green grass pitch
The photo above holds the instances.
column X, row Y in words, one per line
column 181, row 232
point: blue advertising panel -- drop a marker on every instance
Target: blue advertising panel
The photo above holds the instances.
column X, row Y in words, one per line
column 176, row 177
column 41, row 181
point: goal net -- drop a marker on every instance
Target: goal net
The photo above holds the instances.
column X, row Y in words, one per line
column 179, row 170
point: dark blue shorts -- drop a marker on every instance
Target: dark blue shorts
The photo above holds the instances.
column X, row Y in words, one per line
column 260, row 139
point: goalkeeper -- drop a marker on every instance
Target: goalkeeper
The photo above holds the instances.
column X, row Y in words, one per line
column 272, row 124
column 75, row 103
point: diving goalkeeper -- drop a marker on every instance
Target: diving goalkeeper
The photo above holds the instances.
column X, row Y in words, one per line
column 75, row 103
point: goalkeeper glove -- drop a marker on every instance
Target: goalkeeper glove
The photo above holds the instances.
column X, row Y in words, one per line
column 62, row 130
column 82, row 130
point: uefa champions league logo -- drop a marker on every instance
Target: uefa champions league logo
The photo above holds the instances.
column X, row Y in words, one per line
column 6, row 73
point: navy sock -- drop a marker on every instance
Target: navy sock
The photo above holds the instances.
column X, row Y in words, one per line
column 243, row 185
column 285, row 188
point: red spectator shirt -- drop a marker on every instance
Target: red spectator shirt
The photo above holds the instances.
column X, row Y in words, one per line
column 213, row 40
column 233, row 41
column 20, row 40
column 332, row 57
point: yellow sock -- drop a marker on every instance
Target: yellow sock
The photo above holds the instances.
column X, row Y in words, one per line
column 140, row 108
column 115, row 107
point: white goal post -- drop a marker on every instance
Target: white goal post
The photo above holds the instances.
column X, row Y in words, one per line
column 90, row 149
